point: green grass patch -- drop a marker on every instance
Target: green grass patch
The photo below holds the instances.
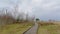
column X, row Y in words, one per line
column 15, row 28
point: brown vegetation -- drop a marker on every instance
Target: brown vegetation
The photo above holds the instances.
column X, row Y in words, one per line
column 46, row 23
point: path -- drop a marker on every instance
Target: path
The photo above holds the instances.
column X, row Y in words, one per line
column 33, row 30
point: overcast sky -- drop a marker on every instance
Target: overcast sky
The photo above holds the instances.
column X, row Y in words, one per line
column 43, row 9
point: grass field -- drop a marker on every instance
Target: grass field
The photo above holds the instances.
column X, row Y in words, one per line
column 49, row 29
column 15, row 28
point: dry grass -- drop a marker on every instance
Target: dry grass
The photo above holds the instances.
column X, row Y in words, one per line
column 15, row 28
column 45, row 23
column 49, row 28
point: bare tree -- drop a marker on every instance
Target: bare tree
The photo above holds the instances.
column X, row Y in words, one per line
column 27, row 16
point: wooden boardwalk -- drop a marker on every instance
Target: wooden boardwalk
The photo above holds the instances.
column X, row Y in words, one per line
column 33, row 30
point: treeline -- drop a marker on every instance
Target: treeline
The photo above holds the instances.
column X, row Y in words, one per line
column 11, row 17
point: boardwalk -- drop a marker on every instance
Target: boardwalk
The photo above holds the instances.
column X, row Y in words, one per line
column 33, row 30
